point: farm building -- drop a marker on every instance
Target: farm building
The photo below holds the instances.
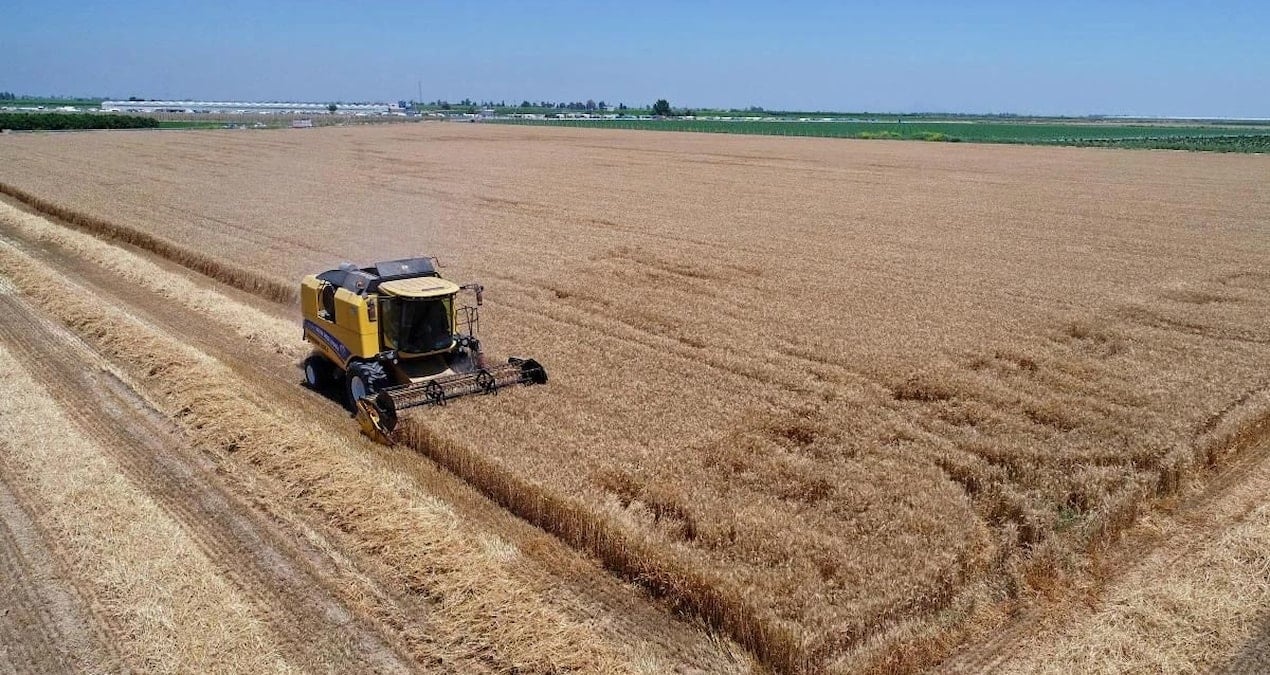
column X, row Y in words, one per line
column 241, row 107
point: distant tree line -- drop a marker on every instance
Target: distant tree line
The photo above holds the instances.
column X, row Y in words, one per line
column 7, row 96
column 590, row 105
column 65, row 122
column 661, row 107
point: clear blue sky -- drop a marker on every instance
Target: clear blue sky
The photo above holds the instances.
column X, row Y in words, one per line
column 1132, row 57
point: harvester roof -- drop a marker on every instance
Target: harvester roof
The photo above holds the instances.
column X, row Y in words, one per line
column 368, row 279
column 419, row 287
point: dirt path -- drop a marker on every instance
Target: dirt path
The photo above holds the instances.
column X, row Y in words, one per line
column 573, row 580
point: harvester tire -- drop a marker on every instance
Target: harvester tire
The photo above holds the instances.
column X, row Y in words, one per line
column 363, row 379
column 318, row 372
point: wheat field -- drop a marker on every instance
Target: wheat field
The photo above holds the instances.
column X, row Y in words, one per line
column 848, row 403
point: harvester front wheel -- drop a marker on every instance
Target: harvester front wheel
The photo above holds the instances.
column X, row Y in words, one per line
column 362, row 380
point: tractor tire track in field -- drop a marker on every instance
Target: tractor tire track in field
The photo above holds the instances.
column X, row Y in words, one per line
column 45, row 624
column 1254, row 658
column 1141, row 559
column 579, row 582
column 282, row 579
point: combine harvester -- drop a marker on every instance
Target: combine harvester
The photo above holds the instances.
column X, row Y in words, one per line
column 395, row 335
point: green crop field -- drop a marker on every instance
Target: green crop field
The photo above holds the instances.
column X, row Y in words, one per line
column 192, row 124
column 1210, row 137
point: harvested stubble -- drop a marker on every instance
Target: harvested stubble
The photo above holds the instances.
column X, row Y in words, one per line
column 846, row 400
column 175, row 611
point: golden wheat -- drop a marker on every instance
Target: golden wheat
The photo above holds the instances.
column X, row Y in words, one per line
column 846, row 401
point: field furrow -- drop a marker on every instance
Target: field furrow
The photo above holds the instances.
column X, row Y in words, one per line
column 46, row 624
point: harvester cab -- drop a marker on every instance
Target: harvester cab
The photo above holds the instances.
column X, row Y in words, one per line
column 396, row 337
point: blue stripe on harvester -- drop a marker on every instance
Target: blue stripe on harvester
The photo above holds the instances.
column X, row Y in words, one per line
column 328, row 339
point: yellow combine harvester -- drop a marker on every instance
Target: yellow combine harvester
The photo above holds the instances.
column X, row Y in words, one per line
column 395, row 336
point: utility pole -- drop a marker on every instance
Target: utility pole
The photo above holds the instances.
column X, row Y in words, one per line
column 419, row 101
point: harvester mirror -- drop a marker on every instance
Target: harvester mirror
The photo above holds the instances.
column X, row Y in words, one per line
column 476, row 288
